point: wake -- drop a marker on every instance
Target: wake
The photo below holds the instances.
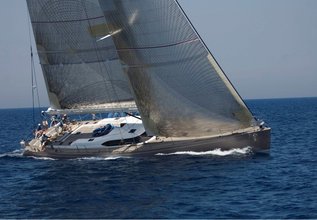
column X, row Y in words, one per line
column 216, row 152
column 19, row 154
column 13, row 154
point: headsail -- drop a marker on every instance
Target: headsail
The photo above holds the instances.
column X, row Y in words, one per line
column 179, row 88
column 80, row 65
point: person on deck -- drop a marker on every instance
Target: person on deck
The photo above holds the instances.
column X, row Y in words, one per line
column 44, row 139
column 65, row 119
column 38, row 131
column 39, row 127
column 45, row 125
column 93, row 117
column 54, row 120
column 44, row 115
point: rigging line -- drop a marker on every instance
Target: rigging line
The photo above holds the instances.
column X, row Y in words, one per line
column 104, row 64
column 32, row 67
column 33, row 71
column 96, row 50
column 132, row 115
column 32, row 83
column 116, row 51
column 36, row 86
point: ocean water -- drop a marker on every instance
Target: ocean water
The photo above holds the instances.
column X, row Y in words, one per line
column 216, row 184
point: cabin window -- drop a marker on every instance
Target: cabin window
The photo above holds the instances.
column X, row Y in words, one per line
column 113, row 143
column 98, row 132
column 91, row 139
column 122, row 142
column 132, row 131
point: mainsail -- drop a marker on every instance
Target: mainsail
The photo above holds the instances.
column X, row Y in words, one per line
column 80, row 70
column 179, row 88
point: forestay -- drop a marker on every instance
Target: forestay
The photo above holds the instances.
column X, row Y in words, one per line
column 179, row 88
column 80, row 70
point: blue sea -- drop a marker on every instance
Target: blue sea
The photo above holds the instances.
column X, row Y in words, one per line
column 235, row 184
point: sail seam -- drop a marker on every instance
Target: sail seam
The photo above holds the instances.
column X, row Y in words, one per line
column 74, row 50
column 86, row 62
column 166, row 63
column 159, row 46
column 67, row 21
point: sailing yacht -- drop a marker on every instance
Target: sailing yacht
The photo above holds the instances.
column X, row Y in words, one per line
column 145, row 60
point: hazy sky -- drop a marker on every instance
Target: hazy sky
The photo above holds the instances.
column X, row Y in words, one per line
column 268, row 48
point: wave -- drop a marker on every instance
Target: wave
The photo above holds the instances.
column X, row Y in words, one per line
column 13, row 154
column 216, row 152
column 19, row 154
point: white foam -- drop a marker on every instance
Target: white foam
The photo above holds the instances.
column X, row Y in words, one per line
column 216, row 152
column 15, row 153
column 80, row 158
column 41, row 158
column 100, row 158
column 19, row 154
